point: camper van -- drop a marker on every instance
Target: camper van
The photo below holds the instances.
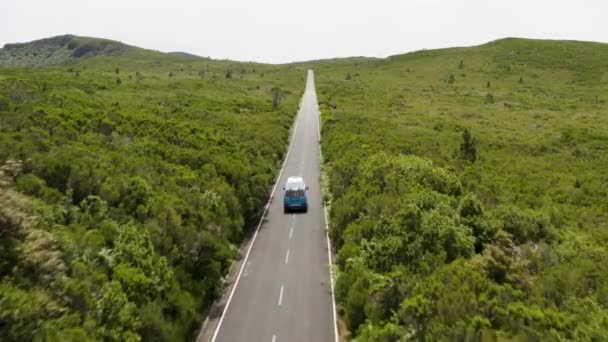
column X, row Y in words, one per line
column 295, row 195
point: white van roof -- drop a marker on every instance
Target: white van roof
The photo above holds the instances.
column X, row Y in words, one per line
column 295, row 182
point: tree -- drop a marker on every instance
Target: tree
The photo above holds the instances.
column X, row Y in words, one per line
column 277, row 96
column 451, row 78
column 116, row 314
column 489, row 98
column 461, row 64
column 348, row 77
column 135, row 200
column 468, row 148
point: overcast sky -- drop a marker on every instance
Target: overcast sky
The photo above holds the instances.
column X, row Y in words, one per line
column 284, row 30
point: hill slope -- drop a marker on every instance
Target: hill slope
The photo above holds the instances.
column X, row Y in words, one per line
column 60, row 50
column 469, row 192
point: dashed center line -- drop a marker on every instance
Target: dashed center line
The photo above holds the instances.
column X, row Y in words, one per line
column 274, row 338
column 281, row 296
column 290, row 233
column 287, row 257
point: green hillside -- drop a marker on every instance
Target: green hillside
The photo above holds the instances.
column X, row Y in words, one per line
column 127, row 183
column 61, row 50
column 468, row 191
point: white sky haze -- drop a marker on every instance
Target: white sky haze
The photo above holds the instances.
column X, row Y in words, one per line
column 279, row 31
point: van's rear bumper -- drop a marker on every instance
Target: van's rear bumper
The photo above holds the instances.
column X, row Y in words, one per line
column 295, row 206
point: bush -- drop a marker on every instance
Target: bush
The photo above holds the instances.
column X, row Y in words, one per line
column 451, row 79
column 277, row 96
column 83, row 50
column 136, row 199
column 470, row 206
column 526, row 225
column 489, row 98
column 468, row 148
column 4, row 105
column 31, row 185
column 73, row 44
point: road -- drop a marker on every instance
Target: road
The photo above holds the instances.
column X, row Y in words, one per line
column 283, row 291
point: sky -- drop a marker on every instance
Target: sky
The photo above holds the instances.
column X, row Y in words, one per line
column 280, row 31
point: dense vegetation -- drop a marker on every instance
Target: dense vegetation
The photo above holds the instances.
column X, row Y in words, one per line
column 61, row 50
column 126, row 184
column 468, row 191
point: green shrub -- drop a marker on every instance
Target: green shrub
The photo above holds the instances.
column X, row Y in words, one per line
column 489, row 98
column 34, row 186
column 526, row 225
column 451, row 79
column 468, row 148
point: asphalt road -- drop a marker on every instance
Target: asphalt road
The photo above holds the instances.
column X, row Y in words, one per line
column 281, row 290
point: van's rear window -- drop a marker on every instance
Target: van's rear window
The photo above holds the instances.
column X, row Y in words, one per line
column 295, row 193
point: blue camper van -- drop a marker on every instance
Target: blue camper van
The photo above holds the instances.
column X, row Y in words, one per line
column 295, row 195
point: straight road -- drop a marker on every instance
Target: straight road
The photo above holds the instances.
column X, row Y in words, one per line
column 283, row 291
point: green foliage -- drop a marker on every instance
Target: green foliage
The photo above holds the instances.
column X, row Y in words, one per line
column 277, row 96
column 21, row 312
column 60, row 50
column 433, row 247
column 116, row 315
column 133, row 195
column 525, row 225
column 489, row 97
column 451, row 79
column 34, row 186
column 468, row 148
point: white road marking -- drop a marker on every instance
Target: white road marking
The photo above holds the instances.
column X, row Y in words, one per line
column 281, row 296
column 274, row 338
column 287, row 257
column 331, row 275
column 290, row 233
column 257, row 229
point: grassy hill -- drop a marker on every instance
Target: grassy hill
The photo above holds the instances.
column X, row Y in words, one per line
column 127, row 181
column 61, row 50
column 469, row 193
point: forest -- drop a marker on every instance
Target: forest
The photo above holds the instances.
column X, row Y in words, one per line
column 127, row 183
column 468, row 192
